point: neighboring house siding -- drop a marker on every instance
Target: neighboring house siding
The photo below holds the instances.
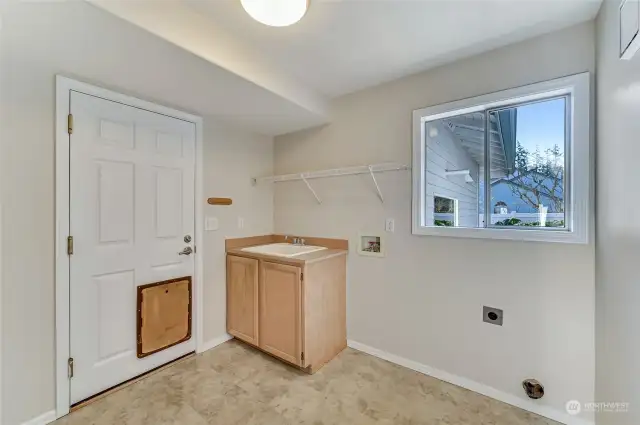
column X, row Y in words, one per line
column 445, row 153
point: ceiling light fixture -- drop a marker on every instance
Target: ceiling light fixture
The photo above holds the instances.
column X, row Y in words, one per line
column 276, row 13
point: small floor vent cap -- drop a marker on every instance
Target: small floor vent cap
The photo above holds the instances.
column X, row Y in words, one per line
column 533, row 388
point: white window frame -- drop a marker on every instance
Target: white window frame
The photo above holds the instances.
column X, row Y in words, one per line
column 579, row 199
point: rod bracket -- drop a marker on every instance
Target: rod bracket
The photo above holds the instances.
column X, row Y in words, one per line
column 373, row 177
column 304, row 179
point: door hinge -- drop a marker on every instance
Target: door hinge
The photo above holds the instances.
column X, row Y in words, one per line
column 194, row 249
column 70, row 123
column 301, row 276
column 70, row 245
column 302, row 357
column 70, row 363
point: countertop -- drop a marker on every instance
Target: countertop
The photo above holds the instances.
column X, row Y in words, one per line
column 299, row 260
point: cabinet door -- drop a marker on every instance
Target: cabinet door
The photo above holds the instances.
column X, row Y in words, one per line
column 242, row 298
column 280, row 311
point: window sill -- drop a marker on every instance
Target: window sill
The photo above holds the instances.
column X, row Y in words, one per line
column 530, row 235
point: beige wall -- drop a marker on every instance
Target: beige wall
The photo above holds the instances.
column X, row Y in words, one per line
column 231, row 158
column 424, row 300
column 37, row 41
column 618, row 230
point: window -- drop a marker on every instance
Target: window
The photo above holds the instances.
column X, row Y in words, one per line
column 508, row 165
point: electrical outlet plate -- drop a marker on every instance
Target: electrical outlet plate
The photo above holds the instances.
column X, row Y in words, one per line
column 390, row 225
column 492, row 315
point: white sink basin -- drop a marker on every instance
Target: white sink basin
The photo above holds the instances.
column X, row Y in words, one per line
column 283, row 249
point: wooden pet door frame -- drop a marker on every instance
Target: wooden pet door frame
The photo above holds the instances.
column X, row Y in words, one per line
column 139, row 321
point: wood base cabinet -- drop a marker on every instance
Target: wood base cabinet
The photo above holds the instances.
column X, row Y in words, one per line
column 294, row 312
column 279, row 307
column 242, row 298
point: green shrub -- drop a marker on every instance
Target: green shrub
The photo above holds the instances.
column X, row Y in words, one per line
column 510, row 222
column 447, row 223
column 518, row 222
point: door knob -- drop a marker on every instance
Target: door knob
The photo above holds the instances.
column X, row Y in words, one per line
column 186, row 251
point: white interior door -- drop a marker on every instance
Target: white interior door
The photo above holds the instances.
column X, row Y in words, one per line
column 131, row 208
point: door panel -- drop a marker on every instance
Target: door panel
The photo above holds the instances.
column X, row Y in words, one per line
column 115, row 201
column 280, row 311
column 168, row 208
column 131, row 204
column 242, row 298
column 113, row 306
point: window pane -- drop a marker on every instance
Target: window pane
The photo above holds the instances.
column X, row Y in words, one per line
column 454, row 170
column 527, row 158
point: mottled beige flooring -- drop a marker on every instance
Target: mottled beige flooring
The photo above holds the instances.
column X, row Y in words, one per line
column 236, row 384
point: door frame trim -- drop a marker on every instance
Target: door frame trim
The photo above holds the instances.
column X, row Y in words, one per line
column 64, row 86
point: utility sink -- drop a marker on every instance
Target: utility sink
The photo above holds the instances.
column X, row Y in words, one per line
column 283, row 249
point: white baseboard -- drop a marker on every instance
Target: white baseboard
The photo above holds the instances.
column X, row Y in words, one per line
column 43, row 419
column 474, row 386
column 214, row 343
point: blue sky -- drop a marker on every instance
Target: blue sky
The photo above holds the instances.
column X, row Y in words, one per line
column 541, row 124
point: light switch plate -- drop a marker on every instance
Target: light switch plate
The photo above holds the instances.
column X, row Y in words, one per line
column 211, row 223
column 240, row 222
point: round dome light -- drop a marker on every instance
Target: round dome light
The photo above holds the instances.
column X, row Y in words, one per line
column 276, row 13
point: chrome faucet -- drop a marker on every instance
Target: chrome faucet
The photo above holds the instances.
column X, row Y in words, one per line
column 296, row 240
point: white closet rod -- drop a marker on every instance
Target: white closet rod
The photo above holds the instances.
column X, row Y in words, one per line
column 335, row 172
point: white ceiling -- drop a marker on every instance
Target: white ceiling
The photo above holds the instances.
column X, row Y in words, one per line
column 228, row 84
column 341, row 46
